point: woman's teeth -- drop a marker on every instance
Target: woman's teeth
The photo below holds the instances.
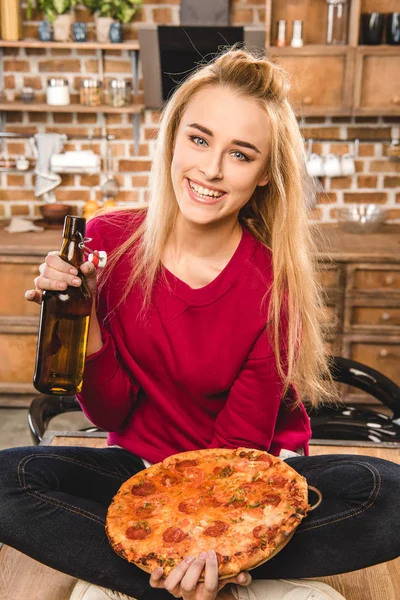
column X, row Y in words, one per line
column 204, row 192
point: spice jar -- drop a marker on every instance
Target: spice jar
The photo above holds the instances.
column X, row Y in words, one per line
column 119, row 93
column 91, row 92
column 57, row 92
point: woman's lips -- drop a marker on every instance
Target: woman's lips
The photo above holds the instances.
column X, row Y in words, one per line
column 197, row 198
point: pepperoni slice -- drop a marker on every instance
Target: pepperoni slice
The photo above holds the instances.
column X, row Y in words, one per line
column 194, row 475
column 237, row 503
column 241, row 465
column 184, row 464
column 140, row 531
column 145, row 511
column 169, row 480
column 264, row 461
column 272, row 499
column 257, row 513
column 265, row 531
column 143, row 489
column 251, row 486
column 216, row 529
column 277, row 481
column 212, row 502
column 173, row 535
column 189, row 506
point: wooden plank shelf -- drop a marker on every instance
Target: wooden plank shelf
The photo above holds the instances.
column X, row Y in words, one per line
column 131, row 45
column 133, row 109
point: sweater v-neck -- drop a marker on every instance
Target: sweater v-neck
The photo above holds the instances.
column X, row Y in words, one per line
column 221, row 283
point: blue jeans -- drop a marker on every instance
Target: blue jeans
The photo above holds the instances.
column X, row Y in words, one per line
column 53, row 503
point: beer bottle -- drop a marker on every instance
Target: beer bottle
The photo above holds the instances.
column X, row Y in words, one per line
column 64, row 323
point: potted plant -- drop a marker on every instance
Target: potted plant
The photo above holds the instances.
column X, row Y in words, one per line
column 59, row 13
column 108, row 12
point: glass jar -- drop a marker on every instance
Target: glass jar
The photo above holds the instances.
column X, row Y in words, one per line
column 57, row 92
column 119, row 93
column 91, row 92
column 337, row 22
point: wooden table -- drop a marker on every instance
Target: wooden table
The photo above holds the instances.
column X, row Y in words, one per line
column 18, row 573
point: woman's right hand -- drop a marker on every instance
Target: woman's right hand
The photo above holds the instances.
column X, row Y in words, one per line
column 56, row 274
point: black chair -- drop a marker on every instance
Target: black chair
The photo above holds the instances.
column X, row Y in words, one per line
column 344, row 422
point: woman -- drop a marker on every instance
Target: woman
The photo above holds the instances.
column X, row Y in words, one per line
column 205, row 334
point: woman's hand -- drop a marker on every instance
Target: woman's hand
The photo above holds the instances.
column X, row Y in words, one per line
column 56, row 274
column 182, row 582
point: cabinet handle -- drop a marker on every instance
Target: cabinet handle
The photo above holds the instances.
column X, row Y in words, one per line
column 385, row 316
column 396, row 99
column 383, row 353
column 389, row 279
column 307, row 100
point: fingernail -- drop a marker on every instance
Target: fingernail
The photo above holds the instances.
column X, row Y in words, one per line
column 158, row 571
column 73, row 271
column 76, row 281
column 242, row 578
column 202, row 554
column 211, row 553
column 189, row 559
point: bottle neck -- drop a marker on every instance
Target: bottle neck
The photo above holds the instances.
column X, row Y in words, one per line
column 71, row 253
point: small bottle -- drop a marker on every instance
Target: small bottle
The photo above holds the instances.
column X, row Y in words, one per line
column 337, row 22
column 281, row 33
column 297, row 34
column 64, row 323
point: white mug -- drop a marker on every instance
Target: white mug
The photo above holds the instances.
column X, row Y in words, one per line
column 315, row 165
column 347, row 164
column 331, row 166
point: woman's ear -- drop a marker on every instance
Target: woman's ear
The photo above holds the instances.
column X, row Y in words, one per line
column 264, row 180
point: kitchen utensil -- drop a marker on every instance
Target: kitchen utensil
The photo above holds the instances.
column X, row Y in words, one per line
column 361, row 218
column 109, row 187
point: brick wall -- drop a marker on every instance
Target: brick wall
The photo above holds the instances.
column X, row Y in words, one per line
column 377, row 179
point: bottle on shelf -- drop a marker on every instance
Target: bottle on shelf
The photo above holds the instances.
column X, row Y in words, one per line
column 64, row 323
column 337, row 22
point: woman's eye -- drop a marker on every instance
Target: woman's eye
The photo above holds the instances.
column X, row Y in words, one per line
column 241, row 156
column 199, row 141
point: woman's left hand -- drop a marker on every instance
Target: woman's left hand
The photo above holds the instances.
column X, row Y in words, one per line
column 183, row 581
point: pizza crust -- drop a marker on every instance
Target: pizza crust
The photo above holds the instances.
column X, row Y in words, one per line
column 244, row 503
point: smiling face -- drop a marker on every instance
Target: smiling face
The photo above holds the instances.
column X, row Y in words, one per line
column 220, row 155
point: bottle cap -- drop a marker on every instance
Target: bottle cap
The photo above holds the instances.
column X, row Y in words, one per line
column 74, row 227
column 98, row 258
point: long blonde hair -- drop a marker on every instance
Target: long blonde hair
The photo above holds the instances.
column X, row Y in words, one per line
column 276, row 215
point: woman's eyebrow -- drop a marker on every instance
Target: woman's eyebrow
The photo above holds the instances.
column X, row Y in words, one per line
column 236, row 142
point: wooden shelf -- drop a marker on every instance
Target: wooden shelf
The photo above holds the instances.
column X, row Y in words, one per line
column 314, row 49
column 132, row 45
column 133, row 109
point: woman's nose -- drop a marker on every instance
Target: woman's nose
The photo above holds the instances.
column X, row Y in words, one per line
column 212, row 168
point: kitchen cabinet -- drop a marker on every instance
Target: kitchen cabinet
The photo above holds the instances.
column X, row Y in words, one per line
column 326, row 79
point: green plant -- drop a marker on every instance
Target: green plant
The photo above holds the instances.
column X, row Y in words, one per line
column 51, row 8
column 121, row 10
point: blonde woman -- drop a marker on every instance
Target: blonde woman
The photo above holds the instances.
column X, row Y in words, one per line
column 206, row 333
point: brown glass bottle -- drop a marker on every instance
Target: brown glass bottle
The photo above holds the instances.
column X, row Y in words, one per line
column 64, row 324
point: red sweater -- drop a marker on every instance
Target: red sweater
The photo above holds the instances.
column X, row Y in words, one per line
column 199, row 371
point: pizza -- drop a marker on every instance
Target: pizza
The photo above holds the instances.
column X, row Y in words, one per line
column 245, row 504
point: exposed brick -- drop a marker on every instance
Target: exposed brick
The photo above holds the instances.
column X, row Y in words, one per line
column 339, row 183
column 72, row 131
column 376, row 133
column 392, row 182
column 15, row 117
column 86, row 118
column 155, row 116
column 261, row 14
column 114, row 119
column 35, row 51
column 37, row 117
column 140, row 181
column 315, row 214
column 11, row 51
column 143, row 150
column 67, row 65
column 393, row 213
column 14, row 64
column 1, row 210
column 34, row 81
column 9, row 82
column 370, row 198
column 131, row 196
column 19, row 210
column 360, row 166
column 134, row 165
column 63, row 117
column 367, row 181
column 385, row 166
column 326, row 198
column 391, row 119
column 339, row 119
column 117, row 149
column 16, row 148
column 67, row 195
column 162, row 15
column 67, row 180
column 397, row 198
column 320, row 132
column 364, row 119
column 151, row 133
column 366, row 150
column 339, row 149
column 30, row 30
column 241, row 16
column 15, row 195
column 90, row 180
column 16, row 180
column 117, row 66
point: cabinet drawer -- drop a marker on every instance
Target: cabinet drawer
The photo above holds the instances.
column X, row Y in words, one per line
column 15, row 279
column 375, row 279
column 17, row 351
column 329, row 277
column 384, row 356
column 376, row 316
